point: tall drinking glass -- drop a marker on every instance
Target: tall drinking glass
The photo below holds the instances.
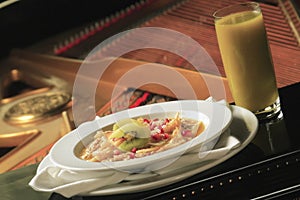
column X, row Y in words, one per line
column 247, row 60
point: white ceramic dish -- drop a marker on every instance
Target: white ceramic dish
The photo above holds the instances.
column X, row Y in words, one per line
column 244, row 127
column 216, row 117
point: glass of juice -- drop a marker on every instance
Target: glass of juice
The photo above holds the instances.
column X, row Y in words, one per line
column 247, row 59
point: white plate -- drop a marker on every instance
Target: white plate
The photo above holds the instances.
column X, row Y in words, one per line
column 216, row 117
column 244, row 127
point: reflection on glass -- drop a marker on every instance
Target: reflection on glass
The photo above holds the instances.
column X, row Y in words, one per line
column 272, row 136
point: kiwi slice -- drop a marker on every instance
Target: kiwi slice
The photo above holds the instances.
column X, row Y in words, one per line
column 130, row 135
column 122, row 123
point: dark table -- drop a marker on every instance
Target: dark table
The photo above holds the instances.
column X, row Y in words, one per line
column 268, row 168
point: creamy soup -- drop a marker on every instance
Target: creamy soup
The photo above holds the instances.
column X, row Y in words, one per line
column 136, row 138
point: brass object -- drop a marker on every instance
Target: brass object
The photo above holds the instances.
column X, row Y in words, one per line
column 16, row 138
column 36, row 107
column 67, row 122
column 30, row 100
column 7, row 161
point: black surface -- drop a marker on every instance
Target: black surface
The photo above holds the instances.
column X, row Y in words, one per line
column 29, row 21
column 268, row 168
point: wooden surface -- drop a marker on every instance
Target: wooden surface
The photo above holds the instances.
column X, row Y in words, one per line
column 203, row 84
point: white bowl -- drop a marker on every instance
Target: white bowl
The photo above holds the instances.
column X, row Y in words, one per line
column 216, row 118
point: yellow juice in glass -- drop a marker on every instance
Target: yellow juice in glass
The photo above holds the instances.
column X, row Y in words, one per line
column 247, row 60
